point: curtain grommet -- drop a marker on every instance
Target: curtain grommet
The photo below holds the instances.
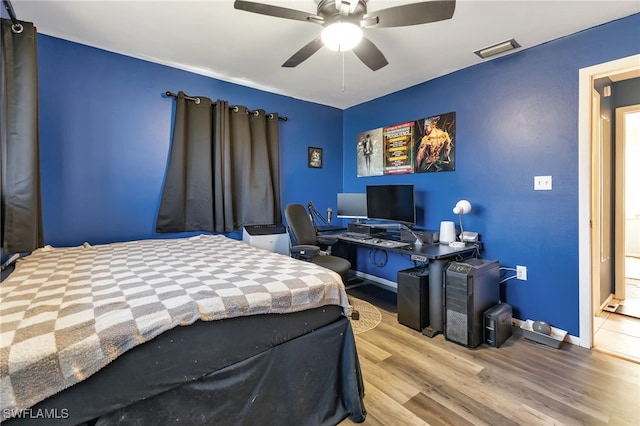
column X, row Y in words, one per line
column 17, row 28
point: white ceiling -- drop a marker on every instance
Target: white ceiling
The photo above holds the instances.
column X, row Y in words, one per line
column 214, row 39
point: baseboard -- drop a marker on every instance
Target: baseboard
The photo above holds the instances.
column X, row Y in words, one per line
column 380, row 282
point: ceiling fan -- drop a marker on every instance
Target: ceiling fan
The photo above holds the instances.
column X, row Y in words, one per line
column 344, row 19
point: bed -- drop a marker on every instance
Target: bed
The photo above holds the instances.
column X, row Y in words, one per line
column 199, row 330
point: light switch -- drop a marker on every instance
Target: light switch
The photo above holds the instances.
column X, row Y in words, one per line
column 542, row 183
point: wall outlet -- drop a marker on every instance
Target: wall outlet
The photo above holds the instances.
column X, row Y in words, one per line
column 542, row 183
column 521, row 272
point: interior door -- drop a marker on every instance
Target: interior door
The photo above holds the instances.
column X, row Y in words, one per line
column 601, row 218
column 606, row 205
column 627, row 221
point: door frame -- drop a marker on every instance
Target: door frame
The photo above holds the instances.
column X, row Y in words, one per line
column 585, row 85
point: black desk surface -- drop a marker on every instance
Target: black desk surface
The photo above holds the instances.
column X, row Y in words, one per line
column 430, row 251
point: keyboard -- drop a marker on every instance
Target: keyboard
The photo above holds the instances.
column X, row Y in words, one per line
column 373, row 240
column 387, row 243
column 355, row 236
column 329, row 228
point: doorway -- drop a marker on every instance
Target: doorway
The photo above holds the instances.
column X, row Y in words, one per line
column 617, row 327
column 628, row 284
column 590, row 217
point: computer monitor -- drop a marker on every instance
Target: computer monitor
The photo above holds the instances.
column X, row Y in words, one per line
column 394, row 203
column 352, row 206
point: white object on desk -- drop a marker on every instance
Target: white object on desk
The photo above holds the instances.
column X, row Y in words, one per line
column 447, row 232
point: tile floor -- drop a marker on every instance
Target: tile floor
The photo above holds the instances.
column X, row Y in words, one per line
column 620, row 334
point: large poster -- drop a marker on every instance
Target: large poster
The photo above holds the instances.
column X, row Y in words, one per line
column 398, row 148
column 422, row 146
column 370, row 153
column 435, row 143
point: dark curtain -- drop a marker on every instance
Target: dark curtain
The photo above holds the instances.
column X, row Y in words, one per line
column 223, row 169
column 20, row 166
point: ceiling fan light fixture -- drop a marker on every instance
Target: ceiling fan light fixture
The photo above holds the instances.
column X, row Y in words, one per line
column 341, row 36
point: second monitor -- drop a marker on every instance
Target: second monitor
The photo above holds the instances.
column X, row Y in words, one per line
column 352, row 206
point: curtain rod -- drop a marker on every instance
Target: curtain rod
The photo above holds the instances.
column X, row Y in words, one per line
column 234, row 107
column 16, row 26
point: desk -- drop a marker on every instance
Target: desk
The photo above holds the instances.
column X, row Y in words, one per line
column 438, row 256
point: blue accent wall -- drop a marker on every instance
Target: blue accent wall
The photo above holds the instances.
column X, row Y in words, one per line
column 105, row 130
column 517, row 117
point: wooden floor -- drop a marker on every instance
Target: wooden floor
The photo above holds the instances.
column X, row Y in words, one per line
column 411, row 379
column 620, row 334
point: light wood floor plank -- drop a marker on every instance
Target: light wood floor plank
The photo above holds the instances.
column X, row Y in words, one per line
column 394, row 385
column 371, row 352
column 622, row 324
column 622, row 343
column 411, row 379
column 532, row 385
column 450, row 381
column 393, row 413
column 435, row 413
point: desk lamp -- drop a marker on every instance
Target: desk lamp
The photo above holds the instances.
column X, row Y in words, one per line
column 462, row 207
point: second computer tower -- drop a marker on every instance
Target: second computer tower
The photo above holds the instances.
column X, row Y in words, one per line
column 471, row 287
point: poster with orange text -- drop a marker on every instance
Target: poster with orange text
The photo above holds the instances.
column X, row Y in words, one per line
column 398, row 148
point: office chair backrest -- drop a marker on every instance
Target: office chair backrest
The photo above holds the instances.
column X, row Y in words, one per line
column 300, row 224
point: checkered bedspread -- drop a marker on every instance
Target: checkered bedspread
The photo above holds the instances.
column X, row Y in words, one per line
column 68, row 312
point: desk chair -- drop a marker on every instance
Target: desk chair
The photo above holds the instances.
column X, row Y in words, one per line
column 306, row 244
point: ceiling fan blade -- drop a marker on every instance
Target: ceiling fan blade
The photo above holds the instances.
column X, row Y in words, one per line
column 277, row 11
column 370, row 54
column 414, row 14
column 303, row 54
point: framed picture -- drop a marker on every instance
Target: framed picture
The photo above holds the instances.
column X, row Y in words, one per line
column 315, row 157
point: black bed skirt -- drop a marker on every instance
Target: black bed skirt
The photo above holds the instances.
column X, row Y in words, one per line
column 294, row 369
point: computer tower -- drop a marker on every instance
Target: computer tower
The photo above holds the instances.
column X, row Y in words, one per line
column 471, row 287
column 273, row 237
column 413, row 297
column 497, row 324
